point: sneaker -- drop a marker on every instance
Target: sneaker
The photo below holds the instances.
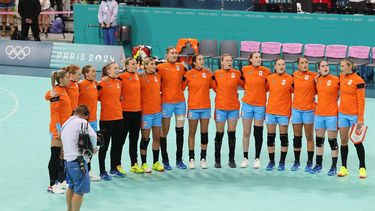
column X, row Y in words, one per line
column 270, row 166
column 46, row 34
column 281, row 167
column 362, row 173
column 256, row 164
column 332, row 171
column 217, row 165
column 317, row 169
column 244, row 163
column 343, row 172
column 158, row 167
column 203, row 164
column 145, row 168
column 136, row 169
column 93, row 177
column 192, row 164
column 308, row 167
column 62, row 185
column 295, row 166
column 181, row 165
column 167, row 166
column 105, row 176
column 120, row 169
column 116, row 173
column 4, row 33
column 55, row 189
column 232, row 164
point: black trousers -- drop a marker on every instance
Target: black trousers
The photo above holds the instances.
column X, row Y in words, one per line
column 59, row 6
column 34, row 28
column 111, row 131
column 132, row 125
column 357, row 7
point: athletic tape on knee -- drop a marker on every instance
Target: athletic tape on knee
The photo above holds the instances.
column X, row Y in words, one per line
column 204, row 138
column 319, row 142
column 144, row 143
column 284, row 140
column 297, row 141
column 333, row 143
column 271, row 139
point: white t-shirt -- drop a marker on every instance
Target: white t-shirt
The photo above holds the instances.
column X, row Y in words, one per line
column 45, row 4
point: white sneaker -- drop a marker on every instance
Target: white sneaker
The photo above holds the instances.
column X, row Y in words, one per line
column 62, row 185
column 192, row 164
column 245, row 163
column 203, row 164
column 256, row 163
column 93, row 177
column 55, row 189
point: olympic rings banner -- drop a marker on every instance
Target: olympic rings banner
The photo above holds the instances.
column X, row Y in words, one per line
column 57, row 55
column 25, row 53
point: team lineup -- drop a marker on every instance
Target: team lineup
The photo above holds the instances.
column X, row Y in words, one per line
column 134, row 104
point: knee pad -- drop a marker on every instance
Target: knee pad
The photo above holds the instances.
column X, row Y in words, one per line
column 271, row 139
column 319, row 142
column 179, row 130
column 219, row 137
column 144, row 143
column 333, row 143
column 284, row 140
column 297, row 141
column 204, row 138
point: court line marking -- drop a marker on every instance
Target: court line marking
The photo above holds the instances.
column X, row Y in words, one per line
column 15, row 108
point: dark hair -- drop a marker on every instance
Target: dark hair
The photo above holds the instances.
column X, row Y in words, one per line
column 82, row 110
column 251, row 56
column 194, row 59
column 276, row 62
column 225, row 55
column 300, row 58
column 87, row 69
column 126, row 61
column 105, row 68
column 147, row 60
column 56, row 76
column 320, row 63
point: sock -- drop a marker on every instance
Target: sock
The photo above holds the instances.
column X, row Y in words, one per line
column 218, row 142
column 163, row 147
column 246, row 155
column 297, row 156
column 180, row 142
column 361, row 155
column 144, row 159
column 272, row 157
column 310, row 156
column 282, row 157
column 191, row 154
column 232, row 144
column 155, row 154
column 344, row 154
column 203, row 154
column 319, row 160
column 258, row 136
column 334, row 162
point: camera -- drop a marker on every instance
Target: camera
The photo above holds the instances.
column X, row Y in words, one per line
column 84, row 143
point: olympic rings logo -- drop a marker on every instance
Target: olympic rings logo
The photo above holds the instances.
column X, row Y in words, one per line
column 17, row 52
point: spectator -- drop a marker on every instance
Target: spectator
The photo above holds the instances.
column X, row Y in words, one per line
column 328, row 2
column 29, row 11
column 44, row 18
column 107, row 17
column 357, row 6
column 7, row 6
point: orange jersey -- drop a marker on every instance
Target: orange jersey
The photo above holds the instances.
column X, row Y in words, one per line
column 328, row 88
column 109, row 96
column 352, row 101
column 150, row 91
column 88, row 95
column 199, row 83
column 280, row 94
column 304, row 90
column 255, row 85
column 60, row 110
column 131, row 92
column 171, row 82
column 73, row 91
column 226, row 87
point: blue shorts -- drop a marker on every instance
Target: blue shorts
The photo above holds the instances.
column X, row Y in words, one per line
column 272, row 119
column 223, row 115
column 151, row 120
column 300, row 116
column 346, row 120
column 199, row 113
column 94, row 125
column 256, row 112
column 77, row 181
column 177, row 108
column 11, row 4
column 325, row 122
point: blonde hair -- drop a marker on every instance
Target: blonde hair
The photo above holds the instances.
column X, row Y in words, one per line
column 105, row 69
column 72, row 69
column 56, row 76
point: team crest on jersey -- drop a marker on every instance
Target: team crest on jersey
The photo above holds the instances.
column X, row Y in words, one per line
column 329, row 83
column 144, row 123
column 178, row 68
column 250, row 72
column 118, row 86
column 260, row 73
column 283, row 82
column 233, row 75
column 204, row 75
column 307, row 77
column 350, row 82
column 190, row 114
column 155, row 79
column 129, row 79
column 136, row 77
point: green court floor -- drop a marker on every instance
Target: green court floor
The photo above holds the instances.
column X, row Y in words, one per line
column 24, row 155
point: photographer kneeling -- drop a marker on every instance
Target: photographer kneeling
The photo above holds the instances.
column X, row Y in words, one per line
column 78, row 139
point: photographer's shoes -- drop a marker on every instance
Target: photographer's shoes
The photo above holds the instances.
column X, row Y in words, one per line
column 93, row 177
column 55, row 189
